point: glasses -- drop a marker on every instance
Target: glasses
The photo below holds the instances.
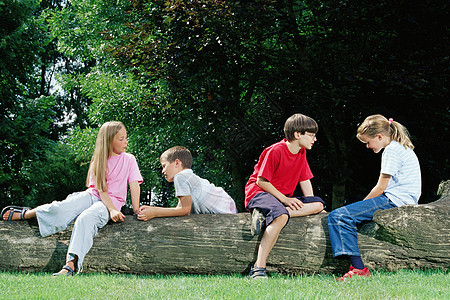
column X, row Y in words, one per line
column 312, row 135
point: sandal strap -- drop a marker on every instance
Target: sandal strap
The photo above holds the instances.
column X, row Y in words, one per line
column 22, row 213
column 69, row 269
column 15, row 209
column 70, row 272
column 258, row 272
column 11, row 213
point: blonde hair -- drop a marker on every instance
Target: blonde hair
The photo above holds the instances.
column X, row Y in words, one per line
column 103, row 150
column 299, row 123
column 178, row 152
column 376, row 124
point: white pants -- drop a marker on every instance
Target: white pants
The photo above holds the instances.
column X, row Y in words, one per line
column 89, row 213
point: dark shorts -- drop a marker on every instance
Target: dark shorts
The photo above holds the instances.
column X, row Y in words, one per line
column 272, row 208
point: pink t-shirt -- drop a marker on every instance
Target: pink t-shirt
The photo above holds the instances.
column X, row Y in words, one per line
column 281, row 168
column 122, row 169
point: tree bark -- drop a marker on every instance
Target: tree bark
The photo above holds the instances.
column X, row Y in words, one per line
column 404, row 237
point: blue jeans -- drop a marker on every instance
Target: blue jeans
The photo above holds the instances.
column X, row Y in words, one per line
column 342, row 223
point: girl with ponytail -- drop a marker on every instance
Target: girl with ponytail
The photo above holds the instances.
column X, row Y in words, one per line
column 399, row 184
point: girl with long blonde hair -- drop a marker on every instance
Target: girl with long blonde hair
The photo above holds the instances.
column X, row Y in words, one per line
column 110, row 173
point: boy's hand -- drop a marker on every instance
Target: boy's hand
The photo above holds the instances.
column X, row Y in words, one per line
column 293, row 203
column 116, row 216
column 145, row 213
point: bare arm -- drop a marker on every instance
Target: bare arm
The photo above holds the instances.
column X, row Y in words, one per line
column 293, row 203
column 149, row 212
column 114, row 214
column 380, row 187
column 306, row 188
column 135, row 192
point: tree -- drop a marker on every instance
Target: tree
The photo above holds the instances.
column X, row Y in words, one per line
column 229, row 61
column 24, row 115
column 31, row 113
column 222, row 77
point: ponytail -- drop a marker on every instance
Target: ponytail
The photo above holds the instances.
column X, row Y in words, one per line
column 377, row 124
column 400, row 134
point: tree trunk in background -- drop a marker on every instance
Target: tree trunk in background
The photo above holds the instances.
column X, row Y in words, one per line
column 404, row 237
column 238, row 182
column 338, row 195
column 337, row 152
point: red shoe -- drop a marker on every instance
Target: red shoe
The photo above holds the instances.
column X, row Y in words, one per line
column 357, row 272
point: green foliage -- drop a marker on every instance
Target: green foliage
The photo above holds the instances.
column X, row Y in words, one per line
column 221, row 77
column 234, row 71
column 82, row 27
column 23, row 142
column 17, row 50
column 81, row 143
column 32, row 115
column 57, row 174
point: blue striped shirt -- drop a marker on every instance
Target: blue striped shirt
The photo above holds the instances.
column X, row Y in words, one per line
column 405, row 185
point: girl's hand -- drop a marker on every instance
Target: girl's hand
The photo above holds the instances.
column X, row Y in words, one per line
column 116, row 216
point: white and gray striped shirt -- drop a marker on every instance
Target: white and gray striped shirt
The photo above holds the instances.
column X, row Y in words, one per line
column 405, row 185
column 206, row 198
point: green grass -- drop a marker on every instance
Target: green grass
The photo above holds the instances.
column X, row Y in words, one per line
column 405, row 284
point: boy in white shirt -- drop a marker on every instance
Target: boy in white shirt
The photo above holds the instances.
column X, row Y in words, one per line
column 195, row 194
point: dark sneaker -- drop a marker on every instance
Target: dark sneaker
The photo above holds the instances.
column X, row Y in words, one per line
column 257, row 273
column 258, row 221
column 354, row 272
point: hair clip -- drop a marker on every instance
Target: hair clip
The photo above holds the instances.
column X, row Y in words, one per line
column 390, row 121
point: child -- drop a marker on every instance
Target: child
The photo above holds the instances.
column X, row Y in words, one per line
column 110, row 171
column 195, row 195
column 399, row 184
column 268, row 193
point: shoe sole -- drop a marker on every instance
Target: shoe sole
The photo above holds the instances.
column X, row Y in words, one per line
column 257, row 222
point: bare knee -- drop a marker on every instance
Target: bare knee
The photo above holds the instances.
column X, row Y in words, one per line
column 318, row 207
column 283, row 219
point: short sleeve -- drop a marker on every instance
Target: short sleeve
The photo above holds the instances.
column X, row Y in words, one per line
column 134, row 174
column 181, row 185
column 390, row 162
column 306, row 173
column 269, row 165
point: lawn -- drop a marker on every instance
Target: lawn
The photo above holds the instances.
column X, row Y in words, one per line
column 405, row 284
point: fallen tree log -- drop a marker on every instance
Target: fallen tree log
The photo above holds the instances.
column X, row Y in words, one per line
column 404, row 237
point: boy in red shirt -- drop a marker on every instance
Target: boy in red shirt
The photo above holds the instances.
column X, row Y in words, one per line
column 269, row 190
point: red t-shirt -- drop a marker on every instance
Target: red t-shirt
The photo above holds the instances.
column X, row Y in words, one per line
column 281, row 168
